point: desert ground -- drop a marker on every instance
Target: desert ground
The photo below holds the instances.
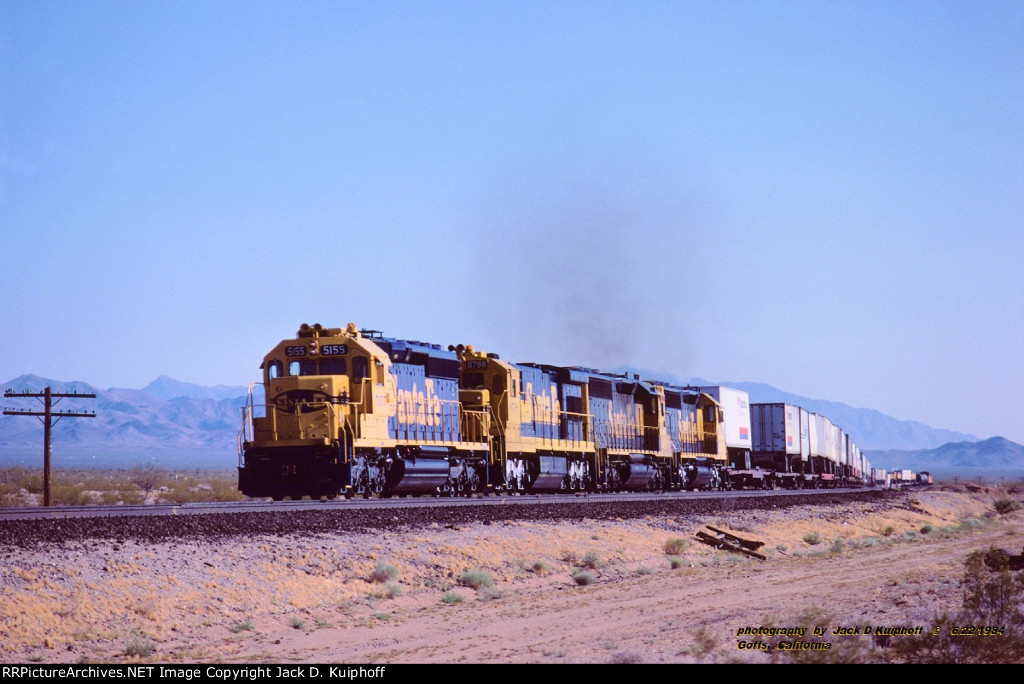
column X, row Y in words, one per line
column 586, row 591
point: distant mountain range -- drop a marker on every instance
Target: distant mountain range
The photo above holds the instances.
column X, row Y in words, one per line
column 996, row 456
column 169, row 388
column 181, row 424
column 172, row 422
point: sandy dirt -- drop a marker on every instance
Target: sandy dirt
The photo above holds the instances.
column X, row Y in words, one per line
column 581, row 592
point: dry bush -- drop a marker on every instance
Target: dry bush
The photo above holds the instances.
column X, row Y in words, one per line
column 993, row 595
column 540, row 568
column 147, row 476
column 452, row 597
column 474, row 579
column 582, row 577
column 1005, row 506
column 387, row 591
column 384, row 572
column 675, row 546
column 812, row 538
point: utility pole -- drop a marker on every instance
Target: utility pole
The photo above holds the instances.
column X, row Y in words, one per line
column 48, row 420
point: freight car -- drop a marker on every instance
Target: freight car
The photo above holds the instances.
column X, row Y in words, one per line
column 349, row 411
column 796, row 448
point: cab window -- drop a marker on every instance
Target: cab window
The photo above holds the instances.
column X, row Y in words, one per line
column 333, row 366
column 274, row 370
column 302, row 368
column 360, row 368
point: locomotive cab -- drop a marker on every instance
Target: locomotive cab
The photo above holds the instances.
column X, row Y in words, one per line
column 319, row 388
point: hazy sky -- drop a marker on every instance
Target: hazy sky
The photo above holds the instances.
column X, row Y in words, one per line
column 824, row 196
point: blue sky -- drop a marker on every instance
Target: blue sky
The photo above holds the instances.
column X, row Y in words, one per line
column 826, row 197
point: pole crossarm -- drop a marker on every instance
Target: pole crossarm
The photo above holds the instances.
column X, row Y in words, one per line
column 37, row 395
column 58, row 414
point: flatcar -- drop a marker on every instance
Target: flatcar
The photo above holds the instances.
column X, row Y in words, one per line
column 351, row 412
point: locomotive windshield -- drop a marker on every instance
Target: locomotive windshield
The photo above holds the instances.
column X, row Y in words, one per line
column 330, row 366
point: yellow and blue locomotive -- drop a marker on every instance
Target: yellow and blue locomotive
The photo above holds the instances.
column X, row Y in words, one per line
column 352, row 412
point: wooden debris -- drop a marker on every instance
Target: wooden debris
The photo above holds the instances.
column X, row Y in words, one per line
column 745, row 543
column 730, row 542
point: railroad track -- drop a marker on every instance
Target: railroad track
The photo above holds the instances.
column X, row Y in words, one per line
column 396, row 503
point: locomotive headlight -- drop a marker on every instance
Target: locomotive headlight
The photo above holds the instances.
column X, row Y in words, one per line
column 312, row 348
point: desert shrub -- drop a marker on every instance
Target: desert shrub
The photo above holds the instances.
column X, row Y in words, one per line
column 992, row 595
column 837, row 546
column 591, row 560
column 540, row 567
column 131, row 497
column 582, row 577
column 570, row 557
column 812, row 538
column 1005, row 506
column 297, row 623
column 147, row 476
column 926, row 529
column 139, row 647
column 68, row 494
column 29, row 479
column 388, row 591
column 644, row 570
column 384, row 572
column 675, row 562
column 202, row 487
column 244, row 626
column 626, row 658
column 674, row 546
column 490, row 594
column 10, row 496
column 474, row 579
column 20, row 476
column 704, row 642
column 888, row 531
column 452, row 597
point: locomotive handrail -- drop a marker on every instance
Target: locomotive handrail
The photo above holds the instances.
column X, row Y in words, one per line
column 476, row 425
column 503, row 399
column 610, row 434
column 432, row 419
column 548, row 424
column 245, row 432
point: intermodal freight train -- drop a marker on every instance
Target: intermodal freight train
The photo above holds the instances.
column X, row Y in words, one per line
column 348, row 411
